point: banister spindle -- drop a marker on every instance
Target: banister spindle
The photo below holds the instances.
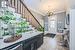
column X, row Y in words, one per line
column 17, row 6
column 20, row 7
column 14, row 3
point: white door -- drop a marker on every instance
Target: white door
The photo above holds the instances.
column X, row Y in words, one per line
column 52, row 28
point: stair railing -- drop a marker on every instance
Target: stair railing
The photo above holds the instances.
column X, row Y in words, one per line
column 22, row 9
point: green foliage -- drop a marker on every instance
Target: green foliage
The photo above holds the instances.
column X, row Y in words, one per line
column 10, row 18
column 40, row 29
column 7, row 16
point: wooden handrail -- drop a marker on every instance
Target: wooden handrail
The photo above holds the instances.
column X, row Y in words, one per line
column 30, row 12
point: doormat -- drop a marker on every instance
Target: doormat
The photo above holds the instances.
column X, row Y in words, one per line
column 50, row 35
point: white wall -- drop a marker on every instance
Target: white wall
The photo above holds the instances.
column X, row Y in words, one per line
column 71, row 11
column 39, row 17
column 72, row 29
column 72, row 4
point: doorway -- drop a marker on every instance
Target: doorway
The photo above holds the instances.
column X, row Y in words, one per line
column 52, row 24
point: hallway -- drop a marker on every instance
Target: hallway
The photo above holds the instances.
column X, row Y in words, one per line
column 52, row 44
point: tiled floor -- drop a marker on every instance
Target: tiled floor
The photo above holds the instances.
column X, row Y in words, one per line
column 52, row 44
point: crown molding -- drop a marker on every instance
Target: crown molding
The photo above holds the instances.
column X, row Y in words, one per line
column 38, row 12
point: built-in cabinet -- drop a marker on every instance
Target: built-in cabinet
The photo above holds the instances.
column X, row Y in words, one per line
column 32, row 43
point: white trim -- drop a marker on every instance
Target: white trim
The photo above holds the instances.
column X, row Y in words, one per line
column 34, row 10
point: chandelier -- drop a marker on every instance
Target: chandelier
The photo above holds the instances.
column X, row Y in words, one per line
column 50, row 13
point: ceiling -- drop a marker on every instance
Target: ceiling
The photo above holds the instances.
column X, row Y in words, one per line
column 43, row 6
column 72, row 4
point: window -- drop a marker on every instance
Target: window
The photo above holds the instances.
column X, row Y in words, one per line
column 3, row 4
column 52, row 25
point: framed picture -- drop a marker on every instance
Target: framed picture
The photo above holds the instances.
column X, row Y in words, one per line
column 68, row 19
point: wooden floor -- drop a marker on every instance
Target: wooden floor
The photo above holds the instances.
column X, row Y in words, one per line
column 52, row 44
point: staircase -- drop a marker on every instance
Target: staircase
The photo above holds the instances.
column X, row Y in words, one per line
column 15, row 18
column 21, row 8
